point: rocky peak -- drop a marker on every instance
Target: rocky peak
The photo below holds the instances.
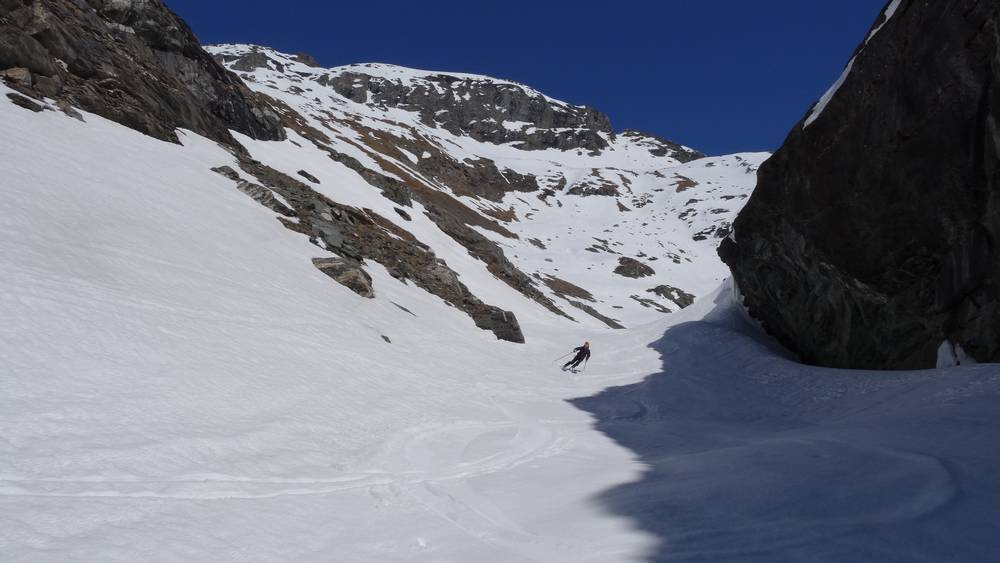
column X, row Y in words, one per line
column 658, row 146
column 871, row 239
column 483, row 108
column 458, row 149
column 132, row 61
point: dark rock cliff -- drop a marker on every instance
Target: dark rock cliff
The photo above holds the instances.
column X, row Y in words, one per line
column 873, row 233
column 131, row 61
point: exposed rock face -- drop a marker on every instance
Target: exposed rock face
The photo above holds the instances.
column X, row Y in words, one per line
column 347, row 273
column 251, row 61
column 647, row 302
column 307, row 59
column 564, row 288
column 501, row 323
column 131, row 61
column 264, row 197
column 611, row 323
column 356, row 235
column 23, row 102
column 679, row 297
column 479, row 108
column 658, row 146
column 593, row 185
column 492, row 255
column 308, row 176
column 632, row 268
column 873, row 233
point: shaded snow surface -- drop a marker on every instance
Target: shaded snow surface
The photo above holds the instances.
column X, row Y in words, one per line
column 180, row 383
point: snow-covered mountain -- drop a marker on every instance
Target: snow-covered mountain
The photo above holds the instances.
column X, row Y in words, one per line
column 285, row 312
column 587, row 223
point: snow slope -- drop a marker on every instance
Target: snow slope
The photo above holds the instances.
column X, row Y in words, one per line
column 750, row 456
column 182, row 384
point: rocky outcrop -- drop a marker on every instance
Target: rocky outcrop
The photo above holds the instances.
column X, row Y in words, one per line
column 563, row 288
column 678, row 296
column 650, row 303
column 474, row 177
column 874, row 232
column 308, row 176
column 356, row 235
column 306, row 59
column 265, row 197
column 658, row 146
column 492, row 255
column 478, row 108
column 132, row 61
column 478, row 178
column 348, row 273
column 501, row 323
column 632, row 268
column 24, row 102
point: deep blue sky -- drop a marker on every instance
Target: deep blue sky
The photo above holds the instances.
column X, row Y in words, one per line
column 719, row 75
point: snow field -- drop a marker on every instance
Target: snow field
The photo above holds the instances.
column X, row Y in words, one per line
column 182, row 384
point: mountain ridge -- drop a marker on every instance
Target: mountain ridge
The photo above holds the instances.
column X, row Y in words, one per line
column 387, row 127
column 542, row 194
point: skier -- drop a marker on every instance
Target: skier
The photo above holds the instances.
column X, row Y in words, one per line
column 582, row 353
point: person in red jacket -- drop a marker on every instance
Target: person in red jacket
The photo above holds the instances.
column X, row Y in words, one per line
column 582, row 353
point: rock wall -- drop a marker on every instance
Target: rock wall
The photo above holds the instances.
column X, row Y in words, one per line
column 132, row 61
column 873, row 233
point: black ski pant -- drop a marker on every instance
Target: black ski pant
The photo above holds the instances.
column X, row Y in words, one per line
column 574, row 362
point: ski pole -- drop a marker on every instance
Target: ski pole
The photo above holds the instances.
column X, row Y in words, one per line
column 560, row 357
column 585, row 362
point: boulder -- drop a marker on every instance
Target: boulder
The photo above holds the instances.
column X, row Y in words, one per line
column 265, row 197
column 19, row 49
column 24, row 102
column 48, row 86
column 308, row 176
column 348, row 273
column 17, row 77
column 502, row 323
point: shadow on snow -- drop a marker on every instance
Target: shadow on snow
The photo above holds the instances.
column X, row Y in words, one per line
column 749, row 455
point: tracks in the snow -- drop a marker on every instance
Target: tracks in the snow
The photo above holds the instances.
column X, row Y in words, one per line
column 431, row 454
